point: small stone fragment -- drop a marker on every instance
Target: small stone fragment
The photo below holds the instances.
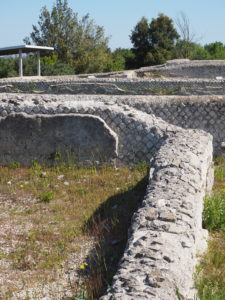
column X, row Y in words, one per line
column 167, row 216
column 151, row 214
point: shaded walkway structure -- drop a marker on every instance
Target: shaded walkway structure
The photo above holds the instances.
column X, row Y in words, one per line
column 25, row 49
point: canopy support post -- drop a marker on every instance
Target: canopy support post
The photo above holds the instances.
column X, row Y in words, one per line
column 20, row 64
column 38, row 64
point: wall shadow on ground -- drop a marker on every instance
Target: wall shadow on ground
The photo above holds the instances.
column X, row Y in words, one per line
column 109, row 225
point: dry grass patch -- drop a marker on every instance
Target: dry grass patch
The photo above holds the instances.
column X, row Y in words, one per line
column 59, row 225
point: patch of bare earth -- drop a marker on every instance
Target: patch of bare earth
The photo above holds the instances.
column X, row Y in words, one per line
column 52, row 219
column 22, row 275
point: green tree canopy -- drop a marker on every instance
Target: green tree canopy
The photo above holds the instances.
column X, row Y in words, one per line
column 81, row 43
column 153, row 43
column 141, row 42
column 216, row 50
column 8, row 67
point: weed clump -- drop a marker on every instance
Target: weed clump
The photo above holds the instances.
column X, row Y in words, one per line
column 210, row 273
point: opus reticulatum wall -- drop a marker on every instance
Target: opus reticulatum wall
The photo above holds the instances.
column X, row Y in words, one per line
column 176, row 134
column 166, row 232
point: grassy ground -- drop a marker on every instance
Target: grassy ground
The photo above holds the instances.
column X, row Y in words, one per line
column 63, row 229
column 210, row 277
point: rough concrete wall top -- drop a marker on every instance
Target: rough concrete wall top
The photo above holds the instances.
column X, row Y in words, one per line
column 194, row 69
column 166, row 231
column 113, row 86
column 51, row 138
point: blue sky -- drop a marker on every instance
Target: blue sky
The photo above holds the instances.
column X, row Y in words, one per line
column 207, row 17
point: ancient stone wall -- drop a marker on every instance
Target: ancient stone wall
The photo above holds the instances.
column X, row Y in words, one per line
column 188, row 68
column 50, row 139
column 114, row 86
column 129, row 116
column 197, row 112
column 166, row 232
column 140, row 135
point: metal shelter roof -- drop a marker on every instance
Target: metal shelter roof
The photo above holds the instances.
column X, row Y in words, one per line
column 24, row 48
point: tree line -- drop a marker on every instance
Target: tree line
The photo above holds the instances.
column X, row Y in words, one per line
column 81, row 46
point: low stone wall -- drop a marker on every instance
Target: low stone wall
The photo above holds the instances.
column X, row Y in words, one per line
column 133, row 117
column 188, row 68
column 113, row 86
column 140, row 135
column 196, row 112
column 166, row 232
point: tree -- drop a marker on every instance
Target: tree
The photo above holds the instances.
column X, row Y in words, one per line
column 78, row 42
column 121, row 59
column 154, row 43
column 163, row 36
column 186, row 44
column 216, row 50
column 8, row 67
column 141, row 41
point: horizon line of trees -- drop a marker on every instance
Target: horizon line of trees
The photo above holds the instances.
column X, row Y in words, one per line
column 82, row 47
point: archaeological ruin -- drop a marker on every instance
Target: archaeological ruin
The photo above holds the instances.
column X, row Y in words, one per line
column 171, row 116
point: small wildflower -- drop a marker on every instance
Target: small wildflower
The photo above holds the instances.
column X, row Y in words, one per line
column 66, row 183
column 82, row 267
column 9, row 182
column 21, row 185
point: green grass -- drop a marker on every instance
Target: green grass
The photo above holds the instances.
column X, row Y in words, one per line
column 51, row 213
column 210, row 274
column 214, row 212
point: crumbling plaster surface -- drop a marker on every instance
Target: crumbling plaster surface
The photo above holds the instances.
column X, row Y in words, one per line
column 47, row 139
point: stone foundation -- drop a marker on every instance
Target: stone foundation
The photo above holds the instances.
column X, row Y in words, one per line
column 177, row 135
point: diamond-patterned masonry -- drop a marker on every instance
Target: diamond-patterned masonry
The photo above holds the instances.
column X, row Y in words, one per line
column 166, row 231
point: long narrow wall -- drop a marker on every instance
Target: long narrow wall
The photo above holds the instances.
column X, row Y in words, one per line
column 166, row 232
column 114, row 86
